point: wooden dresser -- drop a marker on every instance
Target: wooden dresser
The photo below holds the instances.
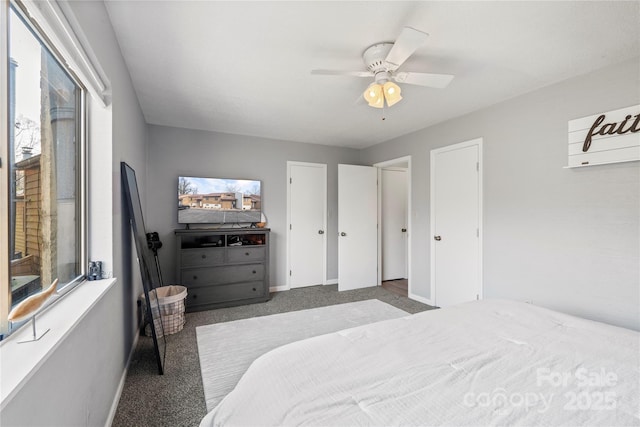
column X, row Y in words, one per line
column 223, row 267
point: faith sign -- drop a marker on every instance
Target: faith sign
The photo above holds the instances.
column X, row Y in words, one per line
column 611, row 137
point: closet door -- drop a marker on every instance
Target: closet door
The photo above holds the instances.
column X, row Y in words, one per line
column 456, row 204
column 357, row 227
column 307, row 224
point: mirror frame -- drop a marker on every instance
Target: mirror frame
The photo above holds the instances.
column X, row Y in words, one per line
column 150, row 277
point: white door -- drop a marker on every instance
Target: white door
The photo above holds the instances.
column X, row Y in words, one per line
column 307, row 224
column 394, row 223
column 456, row 223
column 357, row 227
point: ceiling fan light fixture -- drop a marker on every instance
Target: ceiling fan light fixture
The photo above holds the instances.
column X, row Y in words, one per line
column 374, row 95
column 392, row 93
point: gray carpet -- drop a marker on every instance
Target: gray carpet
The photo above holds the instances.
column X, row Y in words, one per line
column 227, row 349
column 177, row 397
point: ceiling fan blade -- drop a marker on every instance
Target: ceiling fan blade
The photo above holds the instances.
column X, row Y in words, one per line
column 438, row 81
column 409, row 40
column 342, row 73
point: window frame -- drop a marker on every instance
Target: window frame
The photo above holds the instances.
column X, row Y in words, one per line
column 81, row 159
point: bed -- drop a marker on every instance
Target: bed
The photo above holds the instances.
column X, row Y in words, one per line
column 488, row 362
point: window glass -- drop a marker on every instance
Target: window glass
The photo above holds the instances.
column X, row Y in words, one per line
column 44, row 167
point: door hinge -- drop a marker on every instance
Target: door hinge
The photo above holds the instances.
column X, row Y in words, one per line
column 477, row 166
column 477, row 296
column 290, row 180
column 290, row 227
column 289, row 272
column 477, row 232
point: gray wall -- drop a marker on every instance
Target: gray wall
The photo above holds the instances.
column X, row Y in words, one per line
column 80, row 379
column 129, row 143
column 174, row 152
column 563, row 238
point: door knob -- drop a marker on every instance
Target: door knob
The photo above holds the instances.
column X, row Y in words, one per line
column 343, row 234
column 320, row 231
column 404, row 230
column 437, row 238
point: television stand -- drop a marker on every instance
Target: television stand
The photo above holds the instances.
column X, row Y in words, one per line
column 223, row 267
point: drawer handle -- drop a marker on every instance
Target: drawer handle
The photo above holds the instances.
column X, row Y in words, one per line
column 195, row 277
column 246, row 253
column 254, row 289
column 203, row 256
column 254, row 272
column 195, row 296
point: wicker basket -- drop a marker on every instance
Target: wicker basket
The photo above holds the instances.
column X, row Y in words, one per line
column 171, row 301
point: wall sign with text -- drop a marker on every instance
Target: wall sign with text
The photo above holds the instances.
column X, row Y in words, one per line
column 611, row 137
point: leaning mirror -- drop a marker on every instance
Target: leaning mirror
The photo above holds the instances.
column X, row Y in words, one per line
column 150, row 277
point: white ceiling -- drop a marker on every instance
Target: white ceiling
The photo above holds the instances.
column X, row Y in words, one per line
column 244, row 67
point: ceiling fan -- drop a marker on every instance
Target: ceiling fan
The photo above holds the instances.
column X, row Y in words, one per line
column 383, row 61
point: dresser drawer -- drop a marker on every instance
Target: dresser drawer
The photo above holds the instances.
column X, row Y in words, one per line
column 201, row 257
column 224, row 293
column 245, row 254
column 222, row 275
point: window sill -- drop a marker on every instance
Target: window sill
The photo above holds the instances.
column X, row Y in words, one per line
column 19, row 362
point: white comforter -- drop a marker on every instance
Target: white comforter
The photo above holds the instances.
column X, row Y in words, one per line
column 481, row 363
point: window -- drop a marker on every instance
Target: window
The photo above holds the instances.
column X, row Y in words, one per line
column 45, row 151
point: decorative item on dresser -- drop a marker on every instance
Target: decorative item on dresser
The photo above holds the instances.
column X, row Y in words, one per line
column 223, row 267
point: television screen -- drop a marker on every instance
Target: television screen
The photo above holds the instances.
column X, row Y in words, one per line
column 218, row 200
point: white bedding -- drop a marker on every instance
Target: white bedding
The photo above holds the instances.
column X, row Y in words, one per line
column 481, row 363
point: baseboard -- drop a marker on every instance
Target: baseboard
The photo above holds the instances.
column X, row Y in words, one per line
column 279, row 288
column 331, row 282
column 116, row 400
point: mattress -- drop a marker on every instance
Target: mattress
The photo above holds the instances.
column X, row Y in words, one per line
column 487, row 362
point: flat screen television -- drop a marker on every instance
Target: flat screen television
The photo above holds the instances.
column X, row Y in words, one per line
column 218, row 200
